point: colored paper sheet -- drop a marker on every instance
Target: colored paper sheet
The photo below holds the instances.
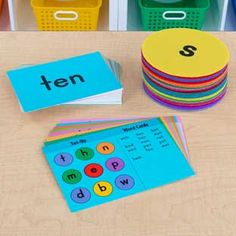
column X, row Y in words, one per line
column 65, row 131
column 72, row 128
column 96, row 168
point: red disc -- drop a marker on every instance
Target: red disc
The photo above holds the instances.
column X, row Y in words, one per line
column 93, row 170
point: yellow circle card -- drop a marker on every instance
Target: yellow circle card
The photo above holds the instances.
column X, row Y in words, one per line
column 185, row 53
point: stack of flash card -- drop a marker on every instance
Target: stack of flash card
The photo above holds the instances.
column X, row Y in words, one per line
column 97, row 161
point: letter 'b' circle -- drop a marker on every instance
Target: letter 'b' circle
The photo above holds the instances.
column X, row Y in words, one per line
column 102, row 188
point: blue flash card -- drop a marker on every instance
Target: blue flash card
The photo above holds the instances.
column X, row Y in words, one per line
column 95, row 168
column 63, row 81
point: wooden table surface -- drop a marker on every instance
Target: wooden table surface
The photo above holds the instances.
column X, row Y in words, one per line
column 30, row 200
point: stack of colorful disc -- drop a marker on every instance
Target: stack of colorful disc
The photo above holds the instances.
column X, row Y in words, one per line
column 185, row 69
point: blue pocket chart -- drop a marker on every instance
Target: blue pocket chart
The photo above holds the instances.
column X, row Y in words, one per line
column 59, row 82
column 98, row 167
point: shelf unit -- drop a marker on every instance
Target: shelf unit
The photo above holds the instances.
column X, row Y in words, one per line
column 220, row 16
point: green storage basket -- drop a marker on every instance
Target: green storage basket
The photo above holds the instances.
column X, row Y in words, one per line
column 184, row 14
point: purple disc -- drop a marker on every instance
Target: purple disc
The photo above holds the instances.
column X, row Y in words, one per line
column 63, row 159
column 115, row 164
column 182, row 107
column 80, row 195
column 185, row 90
column 124, row 182
column 183, row 104
column 176, row 102
column 182, row 79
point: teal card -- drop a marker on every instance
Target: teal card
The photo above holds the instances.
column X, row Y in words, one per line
column 63, row 81
column 106, row 165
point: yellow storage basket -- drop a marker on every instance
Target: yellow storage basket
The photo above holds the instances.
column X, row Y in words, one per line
column 66, row 15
